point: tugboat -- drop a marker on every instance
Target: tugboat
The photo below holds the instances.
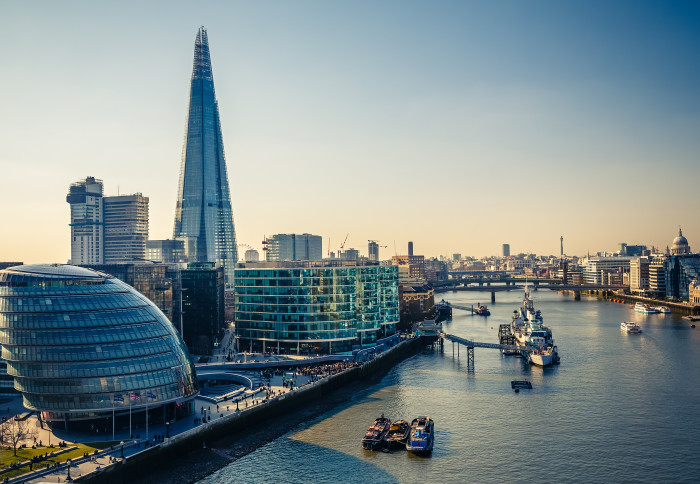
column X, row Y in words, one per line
column 420, row 441
column 398, row 434
column 374, row 438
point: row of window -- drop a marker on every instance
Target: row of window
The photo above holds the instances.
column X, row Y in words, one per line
column 66, row 354
column 71, row 303
column 89, row 319
column 54, row 289
column 91, row 336
column 121, row 383
column 94, row 368
column 106, row 400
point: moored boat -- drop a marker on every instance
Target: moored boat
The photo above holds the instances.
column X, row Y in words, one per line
column 483, row 311
column 374, row 437
column 630, row 327
column 663, row 309
column 398, row 434
column 421, row 438
column 645, row 308
column 532, row 336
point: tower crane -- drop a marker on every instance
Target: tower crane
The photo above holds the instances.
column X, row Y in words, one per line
column 342, row 246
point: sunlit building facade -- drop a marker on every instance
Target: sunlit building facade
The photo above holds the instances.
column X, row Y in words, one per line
column 203, row 209
column 321, row 307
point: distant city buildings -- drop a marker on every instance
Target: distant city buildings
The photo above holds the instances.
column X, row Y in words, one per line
column 291, row 247
column 86, row 225
column 203, row 210
column 125, row 219
column 168, row 251
column 506, row 250
column 252, row 255
column 372, row 251
column 456, row 257
column 106, row 229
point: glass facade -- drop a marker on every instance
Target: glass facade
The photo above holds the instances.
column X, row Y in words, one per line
column 80, row 343
column 308, row 308
column 203, row 209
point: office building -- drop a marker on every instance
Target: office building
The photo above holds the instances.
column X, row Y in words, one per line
column 86, row 226
column 314, row 307
column 597, row 269
column 410, row 249
column 506, row 250
column 125, row 228
column 203, row 307
column 252, row 255
column 372, row 251
column 203, row 208
column 350, row 255
column 639, row 274
column 83, row 346
column 290, row 247
column 168, row 251
column 456, row 257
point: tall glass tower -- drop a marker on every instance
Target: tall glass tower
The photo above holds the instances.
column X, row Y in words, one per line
column 203, row 208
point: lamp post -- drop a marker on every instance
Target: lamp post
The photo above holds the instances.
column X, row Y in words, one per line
column 122, row 444
column 68, row 477
column 167, row 430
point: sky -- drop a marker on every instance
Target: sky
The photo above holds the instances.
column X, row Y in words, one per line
column 458, row 125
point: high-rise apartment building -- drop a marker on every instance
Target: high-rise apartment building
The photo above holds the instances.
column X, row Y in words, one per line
column 203, row 207
column 125, row 228
column 86, row 226
column 372, row 251
column 506, row 250
column 284, row 247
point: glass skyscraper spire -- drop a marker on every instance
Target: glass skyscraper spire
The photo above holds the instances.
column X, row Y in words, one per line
column 203, row 208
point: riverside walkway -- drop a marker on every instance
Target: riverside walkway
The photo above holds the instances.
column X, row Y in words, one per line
column 126, row 444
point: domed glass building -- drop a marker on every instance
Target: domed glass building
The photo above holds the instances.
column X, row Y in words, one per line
column 83, row 346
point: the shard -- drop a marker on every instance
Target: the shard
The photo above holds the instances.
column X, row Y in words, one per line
column 203, row 212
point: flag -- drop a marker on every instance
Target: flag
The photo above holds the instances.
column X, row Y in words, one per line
column 150, row 395
column 134, row 396
column 118, row 398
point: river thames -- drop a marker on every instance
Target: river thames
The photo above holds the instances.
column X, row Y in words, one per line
column 619, row 407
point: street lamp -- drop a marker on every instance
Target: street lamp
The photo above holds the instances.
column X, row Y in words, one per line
column 68, row 477
column 167, row 430
column 122, row 444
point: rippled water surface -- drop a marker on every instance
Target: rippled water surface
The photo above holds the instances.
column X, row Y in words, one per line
column 619, row 408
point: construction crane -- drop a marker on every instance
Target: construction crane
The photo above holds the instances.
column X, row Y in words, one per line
column 377, row 242
column 342, row 246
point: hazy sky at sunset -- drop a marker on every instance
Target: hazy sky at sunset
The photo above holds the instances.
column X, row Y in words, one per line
column 459, row 125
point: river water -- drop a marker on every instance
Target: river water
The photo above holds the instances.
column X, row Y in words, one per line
column 619, row 407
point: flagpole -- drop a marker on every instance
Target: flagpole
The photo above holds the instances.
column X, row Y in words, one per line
column 130, row 432
column 146, row 417
column 112, row 418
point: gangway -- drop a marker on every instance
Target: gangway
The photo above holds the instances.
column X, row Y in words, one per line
column 470, row 345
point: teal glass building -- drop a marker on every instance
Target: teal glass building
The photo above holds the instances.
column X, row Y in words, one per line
column 203, row 209
column 314, row 307
column 83, row 346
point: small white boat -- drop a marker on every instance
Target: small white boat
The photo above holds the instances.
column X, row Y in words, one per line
column 630, row 327
column 663, row 309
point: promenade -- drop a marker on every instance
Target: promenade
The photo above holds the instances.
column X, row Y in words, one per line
column 126, row 443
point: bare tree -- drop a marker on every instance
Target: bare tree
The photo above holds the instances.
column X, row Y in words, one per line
column 13, row 432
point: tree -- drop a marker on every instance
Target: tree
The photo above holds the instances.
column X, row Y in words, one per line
column 13, row 432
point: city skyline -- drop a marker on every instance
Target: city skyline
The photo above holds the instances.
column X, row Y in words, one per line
column 459, row 126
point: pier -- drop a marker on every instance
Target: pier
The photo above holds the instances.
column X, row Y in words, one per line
column 470, row 345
